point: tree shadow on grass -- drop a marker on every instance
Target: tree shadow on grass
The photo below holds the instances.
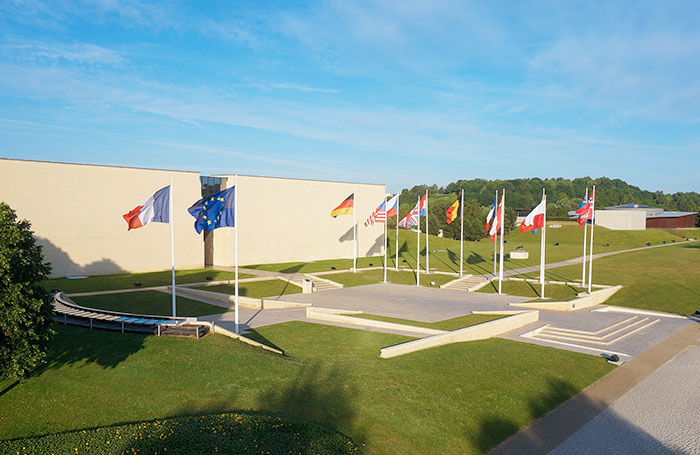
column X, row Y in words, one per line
column 495, row 429
column 79, row 345
column 317, row 393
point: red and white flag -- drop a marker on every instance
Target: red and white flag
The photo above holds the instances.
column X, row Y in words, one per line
column 585, row 211
column 156, row 208
column 492, row 214
column 535, row 219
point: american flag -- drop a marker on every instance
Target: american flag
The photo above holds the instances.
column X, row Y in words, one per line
column 378, row 216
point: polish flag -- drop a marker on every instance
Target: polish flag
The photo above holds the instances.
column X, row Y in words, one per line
column 155, row 208
column 497, row 220
column 535, row 219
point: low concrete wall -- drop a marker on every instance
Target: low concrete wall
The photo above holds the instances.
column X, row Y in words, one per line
column 268, row 304
column 222, row 331
column 339, row 316
column 230, row 300
column 226, row 299
column 584, row 301
column 473, row 333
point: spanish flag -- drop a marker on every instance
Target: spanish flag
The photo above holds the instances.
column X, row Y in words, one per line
column 345, row 207
column 452, row 212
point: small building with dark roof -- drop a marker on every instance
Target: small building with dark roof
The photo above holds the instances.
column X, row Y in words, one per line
column 638, row 217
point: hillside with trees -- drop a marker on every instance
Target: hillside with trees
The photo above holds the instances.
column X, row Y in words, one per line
column 563, row 195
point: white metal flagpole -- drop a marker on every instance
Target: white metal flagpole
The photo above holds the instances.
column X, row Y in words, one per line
column 590, row 255
column 585, row 234
column 427, row 248
column 502, row 215
column 386, row 222
column 461, row 233
column 542, row 242
column 354, row 231
column 235, row 245
column 172, row 244
column 397, row 232
column 418, row 247
column 495, row 240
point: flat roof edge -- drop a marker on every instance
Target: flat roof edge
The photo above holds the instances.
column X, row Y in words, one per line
column 293, row 178
column 100, row 165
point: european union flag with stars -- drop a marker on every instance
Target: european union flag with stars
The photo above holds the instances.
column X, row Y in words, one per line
column 214, row 211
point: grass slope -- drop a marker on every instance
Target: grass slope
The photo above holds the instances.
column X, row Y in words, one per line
column 256, row 289
column 448, row 324
column 148, row 302
column 478, row 255
column 408, row 277
column 552, row 292
column 462, row 398
column 126, row 281
column 662, row 279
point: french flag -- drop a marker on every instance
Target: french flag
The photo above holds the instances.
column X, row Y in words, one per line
column 156, row 208
column 497, row 219
column 535, row 219
column 491, row 215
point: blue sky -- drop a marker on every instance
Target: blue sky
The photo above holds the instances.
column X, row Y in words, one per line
column 401, row 93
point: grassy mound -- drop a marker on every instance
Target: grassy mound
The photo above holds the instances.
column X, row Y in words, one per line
column 231, row 433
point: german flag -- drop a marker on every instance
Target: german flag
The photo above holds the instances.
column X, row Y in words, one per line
column 452, row 212
column 345, row 207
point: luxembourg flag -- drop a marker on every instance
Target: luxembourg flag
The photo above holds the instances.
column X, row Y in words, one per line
column 392, row 206
column 535, row 219
column 155, row 208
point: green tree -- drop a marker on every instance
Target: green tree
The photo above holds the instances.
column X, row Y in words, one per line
column 26, row 313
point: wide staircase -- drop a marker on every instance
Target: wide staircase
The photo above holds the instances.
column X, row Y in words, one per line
column 466, row 283
column 319, row 284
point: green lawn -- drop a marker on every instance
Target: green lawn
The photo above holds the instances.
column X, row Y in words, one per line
column 148, row 302
column 461, row 398
column 256, row 289
column 448, row 324
column 478, row 255
column 229, row 433
column 663, row 279
column 126, row 281
column 319, row 266
column 552, row 292
column 365, row 277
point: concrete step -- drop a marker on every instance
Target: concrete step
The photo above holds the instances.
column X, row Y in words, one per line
column 466, row 283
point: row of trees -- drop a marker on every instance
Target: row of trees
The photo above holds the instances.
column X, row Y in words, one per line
column 563, row 196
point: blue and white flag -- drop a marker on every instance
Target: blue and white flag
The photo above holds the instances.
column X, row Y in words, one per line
column 214, row 211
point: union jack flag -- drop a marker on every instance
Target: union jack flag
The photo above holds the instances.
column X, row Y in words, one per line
column 411, row 219
column 378, row 216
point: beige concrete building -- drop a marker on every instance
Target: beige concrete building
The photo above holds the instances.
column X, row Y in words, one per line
column 76, row 214
column 626, row 220
column 286, row 220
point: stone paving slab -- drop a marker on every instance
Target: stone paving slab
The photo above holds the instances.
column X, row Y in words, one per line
column 659, row 415
column 552, row 430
